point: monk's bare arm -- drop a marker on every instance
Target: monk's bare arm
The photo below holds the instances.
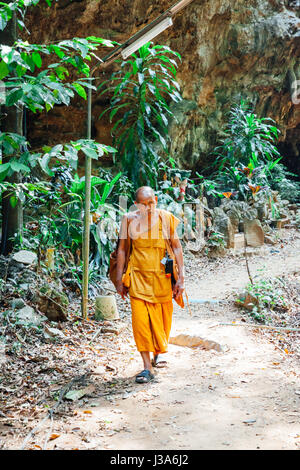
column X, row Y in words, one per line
column 121, row 256
column 177, row 249
column 120, row 260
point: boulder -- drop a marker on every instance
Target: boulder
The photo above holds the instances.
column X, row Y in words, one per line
column 25, row 257
column 285, row 202
column 223, row 225
column 254, row 233
column 247, row 301
column 17, row 303
column 28, row 316
column 250, row 214
column 52, row 333
column 52, row 303
column 239, row 241
column 261, row 211
column 293, row 207
column 234, row 216
column 270, row 239
column 279, row 223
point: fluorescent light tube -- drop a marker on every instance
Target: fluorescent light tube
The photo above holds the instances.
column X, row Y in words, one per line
column 152, row 33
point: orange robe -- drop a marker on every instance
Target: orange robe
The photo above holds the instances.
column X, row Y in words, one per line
column 150, row 289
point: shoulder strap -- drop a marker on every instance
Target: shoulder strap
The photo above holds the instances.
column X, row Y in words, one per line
column 165, row 235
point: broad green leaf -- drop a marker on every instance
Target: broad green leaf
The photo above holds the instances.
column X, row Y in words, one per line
column 20, row 70
column 18, row 167
column 4, row 167
column 37, row 59
column 90, row 153
column 80, row 90
column 4, row 70
column 3, row 22
column 14, row 97
column 13, row 201
column 44, row 162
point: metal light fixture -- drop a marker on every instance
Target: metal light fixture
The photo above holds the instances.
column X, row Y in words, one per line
column 159, row 28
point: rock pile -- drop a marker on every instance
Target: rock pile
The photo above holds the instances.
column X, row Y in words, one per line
column 254, row 222
column 32, row 296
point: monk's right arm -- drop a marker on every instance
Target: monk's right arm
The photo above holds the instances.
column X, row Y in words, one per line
column 121, row 257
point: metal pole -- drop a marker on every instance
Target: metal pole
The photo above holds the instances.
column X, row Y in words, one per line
column 87, row 215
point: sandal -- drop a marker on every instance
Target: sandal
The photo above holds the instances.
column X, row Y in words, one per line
column 157, row 362
column 144, row 377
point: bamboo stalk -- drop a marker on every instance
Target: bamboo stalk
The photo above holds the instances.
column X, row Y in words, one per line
column 87, row 203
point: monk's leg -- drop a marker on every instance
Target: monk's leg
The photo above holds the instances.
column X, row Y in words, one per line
column 146, row 360
column 151, row 325
column 143, row 336
column 141, row 325
column 167, row 313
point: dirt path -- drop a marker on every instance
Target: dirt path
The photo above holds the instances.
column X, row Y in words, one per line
column 246, row 397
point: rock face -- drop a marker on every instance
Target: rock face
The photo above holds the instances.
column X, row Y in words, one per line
column 230, row 49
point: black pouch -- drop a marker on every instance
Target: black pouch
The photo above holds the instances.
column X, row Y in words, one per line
column 169, row 266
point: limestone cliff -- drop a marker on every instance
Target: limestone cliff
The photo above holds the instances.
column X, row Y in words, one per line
column 229, row 48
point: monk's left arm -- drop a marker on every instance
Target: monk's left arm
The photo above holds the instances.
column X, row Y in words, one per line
column 177, row 249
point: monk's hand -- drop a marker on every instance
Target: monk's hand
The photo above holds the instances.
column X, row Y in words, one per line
column 121, row 289
column 178, row 288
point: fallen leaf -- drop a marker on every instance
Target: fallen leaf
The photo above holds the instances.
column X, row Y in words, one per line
column 54, row 436
column 88, row 412
column 77, row 394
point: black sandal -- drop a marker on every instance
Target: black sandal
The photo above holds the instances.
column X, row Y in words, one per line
column 157, row 362
column 144, row 377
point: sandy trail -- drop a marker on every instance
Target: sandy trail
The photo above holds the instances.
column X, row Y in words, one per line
column 246, row 397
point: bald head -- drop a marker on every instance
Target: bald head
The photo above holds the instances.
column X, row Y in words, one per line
column 144, row 192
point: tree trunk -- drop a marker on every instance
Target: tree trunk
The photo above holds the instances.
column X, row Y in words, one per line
column 11, row 121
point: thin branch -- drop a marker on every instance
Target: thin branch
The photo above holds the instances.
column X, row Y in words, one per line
column 246, row 257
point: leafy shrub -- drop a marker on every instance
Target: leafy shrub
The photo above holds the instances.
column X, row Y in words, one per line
column 140, row 92
column 268, row 296
column 248, row 161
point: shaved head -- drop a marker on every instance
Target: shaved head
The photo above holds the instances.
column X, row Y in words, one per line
column 144, row 192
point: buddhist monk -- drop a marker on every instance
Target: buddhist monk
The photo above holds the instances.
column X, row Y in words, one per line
column 145, row 280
